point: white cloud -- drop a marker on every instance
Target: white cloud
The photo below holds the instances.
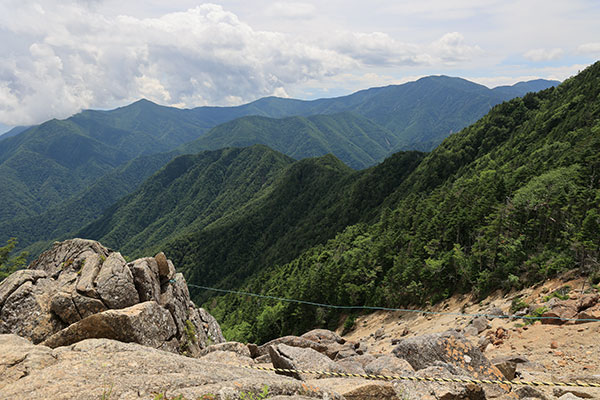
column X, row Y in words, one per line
column 589, row 48
column 380, row 49
column 77, row 59
column 552, row 73
column 291, row 10
column 59, row 56
column 452, row 48
column 376, row 48
column 538, row 55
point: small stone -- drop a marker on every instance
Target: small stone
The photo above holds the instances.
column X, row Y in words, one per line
column 554, row 344
column 480, row 323
column 163, row 265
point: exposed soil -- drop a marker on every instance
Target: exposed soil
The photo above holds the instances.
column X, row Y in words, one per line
column 553, row 352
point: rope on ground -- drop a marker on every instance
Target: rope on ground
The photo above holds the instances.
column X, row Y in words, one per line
column 426, row 379
column 370, row 308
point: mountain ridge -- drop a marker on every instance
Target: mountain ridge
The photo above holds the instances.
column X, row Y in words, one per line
column 53, row 164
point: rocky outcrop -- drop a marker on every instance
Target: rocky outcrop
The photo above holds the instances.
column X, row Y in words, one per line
column 439, row 390
column 288, row 357
column 579, row 310
column 101, row 368
column 294, row 341
column 323, row 336
column 388, row 365
column 145, row 323
column 452, row 352
column 80, row 290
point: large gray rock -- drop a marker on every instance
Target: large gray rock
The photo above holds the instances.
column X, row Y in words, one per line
column 233, row 347
column 296, row 358
column 146, row 278
column 480, row 323
column 440, row 390
column 294, row 341
column 68, row 256
column 80, row 289
column 388, row 365
column 227, row 357
column 451, row 348
column 145, row 323
column 211, row 326
column 26, row 311
column 92, row 368
column 15, row 280
column 114, row 283
column 89, row 273
column 323, row 336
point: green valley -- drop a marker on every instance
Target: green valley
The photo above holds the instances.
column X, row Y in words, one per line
column 508, row 201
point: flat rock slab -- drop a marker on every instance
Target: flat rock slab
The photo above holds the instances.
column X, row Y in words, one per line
column 145, row 323
column 92, row 368
column 296, row 358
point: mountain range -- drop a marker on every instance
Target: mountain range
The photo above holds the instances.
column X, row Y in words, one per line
column 316, row 200
column 510, row 200
column 61, row 165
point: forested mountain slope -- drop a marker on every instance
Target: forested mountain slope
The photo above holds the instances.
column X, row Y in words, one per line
column 227, row 213
column 312, row 201
column 355, row 140
column 186, row 195
column 508, row 201
column 420, row 113
column 62, row 221
column 52, row 162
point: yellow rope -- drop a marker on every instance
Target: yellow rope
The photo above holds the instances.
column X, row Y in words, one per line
column 427, row 379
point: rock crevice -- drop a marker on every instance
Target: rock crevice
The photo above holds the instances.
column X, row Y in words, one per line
column 80, row 289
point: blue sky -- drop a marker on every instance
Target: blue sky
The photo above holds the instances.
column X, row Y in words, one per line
column 61, row 56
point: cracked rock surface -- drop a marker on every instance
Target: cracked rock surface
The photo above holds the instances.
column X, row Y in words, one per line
column 80, row 289
column 93, row 368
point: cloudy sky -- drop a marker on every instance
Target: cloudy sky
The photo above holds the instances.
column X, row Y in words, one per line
column 61, row 56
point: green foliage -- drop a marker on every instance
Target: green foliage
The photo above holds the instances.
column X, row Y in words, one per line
column 107, row 393
column 355, row 140
column 506, row 202
column 8, row 264
column 256, row 396
column 517, row 304
column 190, row 338
column 535, row 315
column 186, row 195
column 561, row 294
column 163, row 396
column 349, row 324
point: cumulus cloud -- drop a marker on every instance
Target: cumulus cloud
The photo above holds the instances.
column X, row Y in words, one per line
column 538, row 55
column 380, row 49
column 376, row 48
column 452, row 48
column 64, row 57
column 61, row 56
column 589, row 49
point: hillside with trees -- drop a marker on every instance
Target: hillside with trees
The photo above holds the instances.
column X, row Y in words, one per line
column 506, row 202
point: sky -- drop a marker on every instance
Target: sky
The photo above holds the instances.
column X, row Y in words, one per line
column 61, row 56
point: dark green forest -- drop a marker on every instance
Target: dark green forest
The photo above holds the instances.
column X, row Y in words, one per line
column 56, row 170
column 8, row 262
column 508, row 201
